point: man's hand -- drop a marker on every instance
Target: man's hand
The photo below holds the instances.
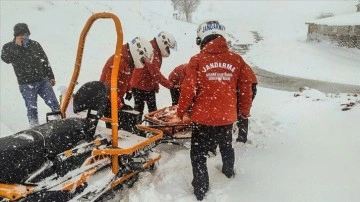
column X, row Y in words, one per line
column 52, row 82
column 19, row 40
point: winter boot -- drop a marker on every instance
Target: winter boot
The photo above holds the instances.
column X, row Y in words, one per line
column 212, row 153
column 200, row 193
column 229, row 173
column 241, row 139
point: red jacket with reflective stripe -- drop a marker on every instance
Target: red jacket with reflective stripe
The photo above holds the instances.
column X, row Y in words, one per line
column 177, row 75
column 213, row 78
column 124, row 75
column 149, row 77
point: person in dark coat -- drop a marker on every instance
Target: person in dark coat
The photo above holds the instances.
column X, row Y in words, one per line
column 33, row 71
column 213, row 78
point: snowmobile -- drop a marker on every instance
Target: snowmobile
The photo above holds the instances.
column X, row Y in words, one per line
column 76, row 158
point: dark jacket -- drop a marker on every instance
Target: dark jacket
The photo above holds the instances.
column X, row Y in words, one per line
column 30, row 64
column 212, row 79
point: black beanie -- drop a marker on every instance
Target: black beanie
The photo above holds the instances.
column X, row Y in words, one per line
column 208, row 38
column 20, row 29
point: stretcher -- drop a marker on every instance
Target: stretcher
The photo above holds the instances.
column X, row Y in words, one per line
column 166, row 120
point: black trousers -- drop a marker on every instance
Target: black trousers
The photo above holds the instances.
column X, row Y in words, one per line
column 202, row 139
column 175, row 94
column 243, row 124
column 127, row 121
column 141, row 97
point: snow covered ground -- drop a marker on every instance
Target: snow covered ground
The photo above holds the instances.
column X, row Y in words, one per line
column 303, row 146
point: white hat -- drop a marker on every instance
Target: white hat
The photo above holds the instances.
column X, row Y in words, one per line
column 140, row 49
column 165, row 41
column 208, row 28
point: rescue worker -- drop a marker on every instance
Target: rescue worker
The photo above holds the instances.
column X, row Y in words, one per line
column 134, row 55
column 213, row 78
column 176, row 77
column 145, row 81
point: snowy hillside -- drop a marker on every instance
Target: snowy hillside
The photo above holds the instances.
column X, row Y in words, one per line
column 303, row 146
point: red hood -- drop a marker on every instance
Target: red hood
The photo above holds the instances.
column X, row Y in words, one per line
column 216, row 46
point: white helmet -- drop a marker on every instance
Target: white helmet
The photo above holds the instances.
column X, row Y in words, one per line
column 165, row 41
column 208, row 28
column 140, row 50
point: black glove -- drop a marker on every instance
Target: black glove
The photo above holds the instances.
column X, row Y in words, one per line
column 128, row 96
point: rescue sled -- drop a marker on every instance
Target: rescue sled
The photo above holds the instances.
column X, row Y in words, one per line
column 77, row 159
column 165, row 119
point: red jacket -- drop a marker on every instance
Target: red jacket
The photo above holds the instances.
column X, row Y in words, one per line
column 124, row 75
column 149, row 77
column 177, row 75
column 252, row 76
column 213, row 78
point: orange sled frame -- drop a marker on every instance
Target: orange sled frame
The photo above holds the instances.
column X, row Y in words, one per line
column 115, row 150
